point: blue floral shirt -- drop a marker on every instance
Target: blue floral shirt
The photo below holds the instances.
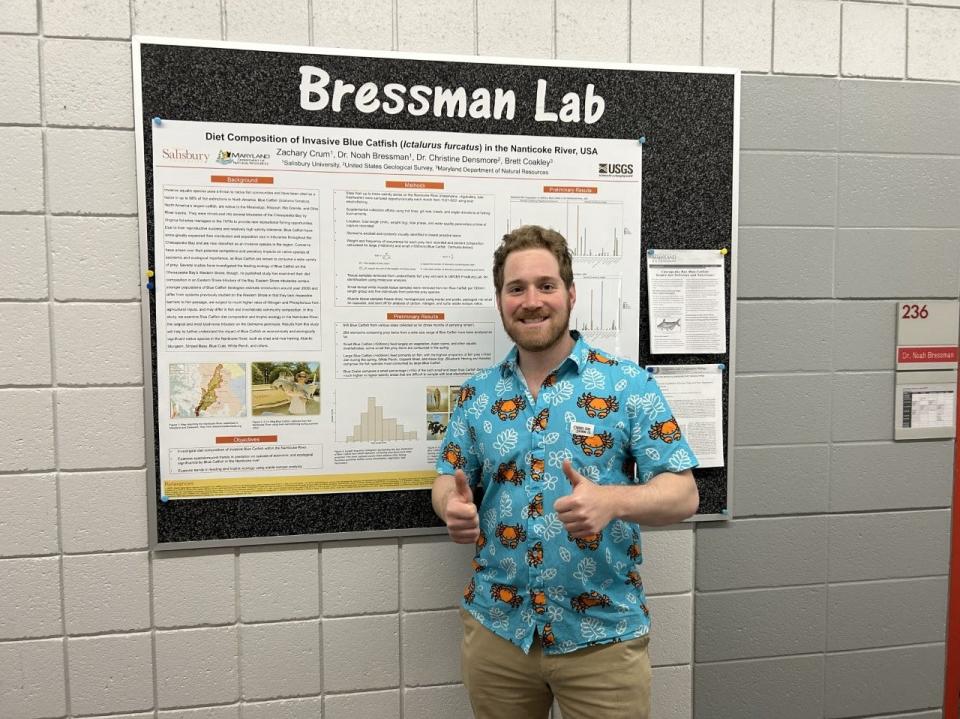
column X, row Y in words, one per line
column 609, row 417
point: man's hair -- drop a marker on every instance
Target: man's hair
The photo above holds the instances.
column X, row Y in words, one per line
column 531, row 237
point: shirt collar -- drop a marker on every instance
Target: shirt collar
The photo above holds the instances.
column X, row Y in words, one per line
column 578, row 355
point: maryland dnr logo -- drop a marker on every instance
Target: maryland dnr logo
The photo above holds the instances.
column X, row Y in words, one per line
column 225, row 157
column 616, row 170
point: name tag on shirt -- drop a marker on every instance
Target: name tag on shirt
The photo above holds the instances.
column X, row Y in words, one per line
column 581, row 429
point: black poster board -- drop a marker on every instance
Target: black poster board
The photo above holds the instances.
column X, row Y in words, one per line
column 686, row 117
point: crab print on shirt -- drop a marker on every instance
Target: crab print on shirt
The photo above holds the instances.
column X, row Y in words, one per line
column 529, row 576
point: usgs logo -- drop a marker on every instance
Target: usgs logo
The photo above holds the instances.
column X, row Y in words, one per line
column 607, row 168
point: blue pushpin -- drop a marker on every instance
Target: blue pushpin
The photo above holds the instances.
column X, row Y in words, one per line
column 643, row 139
column 649, row 253
column 150, row 285
column 723, row 511
column 164, row 498
column 157, row 122
column 721, row 366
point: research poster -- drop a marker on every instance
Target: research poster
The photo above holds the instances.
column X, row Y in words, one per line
column 322, row 292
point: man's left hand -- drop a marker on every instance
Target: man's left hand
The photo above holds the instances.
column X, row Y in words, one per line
column 588, row 509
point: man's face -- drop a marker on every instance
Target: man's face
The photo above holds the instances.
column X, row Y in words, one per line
column 534, row 304
column 302, row 378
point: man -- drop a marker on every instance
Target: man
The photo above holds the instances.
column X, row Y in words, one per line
column 573, row 449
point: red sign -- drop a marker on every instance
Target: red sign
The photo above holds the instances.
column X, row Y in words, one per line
column 926, row 354
column 247, row 439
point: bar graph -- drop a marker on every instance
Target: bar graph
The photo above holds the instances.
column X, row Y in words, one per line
column 374, row 426
column 593, row 228
column 598, row 307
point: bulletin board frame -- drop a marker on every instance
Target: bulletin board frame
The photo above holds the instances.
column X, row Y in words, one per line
column 687, row 118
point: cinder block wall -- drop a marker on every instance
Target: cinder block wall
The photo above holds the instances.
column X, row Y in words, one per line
column 825, row 597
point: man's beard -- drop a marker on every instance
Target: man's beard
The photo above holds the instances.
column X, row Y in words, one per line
column 544, row 338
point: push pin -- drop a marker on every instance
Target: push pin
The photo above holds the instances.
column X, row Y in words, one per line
column 724, row 511
column 149, row 273
column 724, row 250
column 649, row 253
column 157, row 122
column 150, row 285
column 721, row 366
column 164, row 498
column 643, row 139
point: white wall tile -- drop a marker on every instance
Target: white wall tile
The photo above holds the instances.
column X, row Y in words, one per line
column 807, row 37
column 32, row 683
column 279, row 583
column 671, row 633
column 115, row 439
column 510, row 29
column 433, row 572
column 671, row 695
column 666, row 32
column 738, row 33
column 280, row 21
column 95, row 258
column 109, row 674
column 106, row 592
column 19, row 84
column 603, row 34
column 98, row 344
column 92, row 171
column 25, row 351
column 366, row 24
column 83, row 495
column 23, row 272
column 874, row 40
column 197, row 666
column 28, row 514
column 21, row 182
column 361, row 653
column 280, row 659
column 446, row 702
column 221, row 712
column 383, row 705
column 26, row 430
column 178, row 18
column 933, row 44
column 87, row 82
column 309, row 708
column 86, row 18
column 18, row 16
column 431, row 647
column 436, row 26
column 667, row 566
column 30, row 598
column 193, row 588
column 359, row 578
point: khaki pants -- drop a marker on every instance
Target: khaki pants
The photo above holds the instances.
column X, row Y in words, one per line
column 608, row 681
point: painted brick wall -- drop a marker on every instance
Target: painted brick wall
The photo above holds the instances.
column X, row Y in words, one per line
column 846, row 205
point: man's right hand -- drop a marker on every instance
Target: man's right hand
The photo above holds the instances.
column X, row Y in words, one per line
column 460, row 513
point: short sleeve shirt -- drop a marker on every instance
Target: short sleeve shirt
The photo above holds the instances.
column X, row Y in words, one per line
column 610, row 419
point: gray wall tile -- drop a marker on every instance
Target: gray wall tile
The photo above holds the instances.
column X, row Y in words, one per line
column 779, row 189
column 875, row 263
column 864, row 335
column 784, row 336
column 882, row 614
column 383, row 705
column 783, row 409
column 888, row 545
column 787, row 688
column 446, row 702
column 905, row 475
column 781, row 480
column 785, row 262
column 884, row 680
column 789, row 113
column 862, row 407
column 760, row 623
column 431, row 647
column 761, row 552
column 899, row 191
column 916, row 117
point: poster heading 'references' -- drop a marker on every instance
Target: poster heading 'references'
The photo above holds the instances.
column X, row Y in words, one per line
column 317, row 93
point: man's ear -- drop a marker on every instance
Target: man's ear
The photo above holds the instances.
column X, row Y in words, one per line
column 573, row 294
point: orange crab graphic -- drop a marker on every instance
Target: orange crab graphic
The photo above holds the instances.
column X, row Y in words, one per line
column 634, row 552
column 598, row 407
column 508, row 408
column 481, row 541
column 511, row 535
column 549, row 380
column 591, row 541
column 535, row 508
column 595, row 356
column 509, row 473
column 466, row 393
column 582, row 602
column 477, row 567
column 470, row 592
column 668, row 431
column 633, row 577
column 506, row 593
column 539, row 601
column 547, row 639
column 536, row 469
column 535, row 555
column 646, row 610
column 540, row 421
column 594, row 445
column 454, row 455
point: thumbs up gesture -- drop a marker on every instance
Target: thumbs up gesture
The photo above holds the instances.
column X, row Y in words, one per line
column 460, row 513
column 588, row 508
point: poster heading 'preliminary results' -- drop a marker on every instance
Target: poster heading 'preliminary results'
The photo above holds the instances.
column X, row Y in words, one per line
column 481, row 104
